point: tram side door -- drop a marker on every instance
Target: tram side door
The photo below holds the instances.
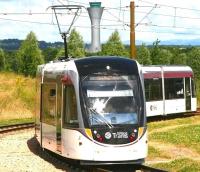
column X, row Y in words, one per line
column 48, row 116
column 58, row 117
column 187, row 94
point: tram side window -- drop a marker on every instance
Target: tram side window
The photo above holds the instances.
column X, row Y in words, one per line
column 70, row 108
column 153, row 89
column 49, row 104
column 174, row 88
column 193, row 88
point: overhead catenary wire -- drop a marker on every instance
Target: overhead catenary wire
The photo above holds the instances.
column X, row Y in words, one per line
column 80, row 3
column 146, row 15
column 170, row 6
column 121, row 24
column 43, row 13
column 168, row 15
column 142, row 12
column 105, row 27
column 121, row 7
column 108, row 8
column 124, row 23
column 105, row 19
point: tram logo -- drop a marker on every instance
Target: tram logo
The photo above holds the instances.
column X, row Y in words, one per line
column 108, row 135
column 153, row 107
column 120, row 135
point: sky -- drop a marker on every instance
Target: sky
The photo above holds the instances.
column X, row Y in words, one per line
column 154, row 19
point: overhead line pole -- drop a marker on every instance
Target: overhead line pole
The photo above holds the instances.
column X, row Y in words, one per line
column 132, row 30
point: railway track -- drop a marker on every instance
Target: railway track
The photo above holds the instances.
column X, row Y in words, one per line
column 14, row 127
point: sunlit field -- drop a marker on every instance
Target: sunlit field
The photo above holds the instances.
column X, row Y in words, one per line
column 174, row 144
column 17, row 95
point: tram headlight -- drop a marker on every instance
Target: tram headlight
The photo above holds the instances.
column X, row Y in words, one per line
column 132, row 137
column 99, row 138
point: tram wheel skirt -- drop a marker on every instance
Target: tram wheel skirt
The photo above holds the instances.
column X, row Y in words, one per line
column 136, row 162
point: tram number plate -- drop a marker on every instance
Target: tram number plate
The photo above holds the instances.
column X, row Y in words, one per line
column 120, row 135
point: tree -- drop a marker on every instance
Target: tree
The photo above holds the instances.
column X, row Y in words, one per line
column 50, row 54
column 159, row 55
column 180, row 59
column 29, row 55
column 154, row 52
column 11, row 63
column 164, row 57
column 193, row 61
column 143, row 55
column 75, row 44
column 114, row 46
column 2, row 60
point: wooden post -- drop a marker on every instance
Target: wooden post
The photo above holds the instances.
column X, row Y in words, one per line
column 132, row 30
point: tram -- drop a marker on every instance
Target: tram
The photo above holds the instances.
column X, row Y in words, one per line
column 92, row 110
column 169, row 90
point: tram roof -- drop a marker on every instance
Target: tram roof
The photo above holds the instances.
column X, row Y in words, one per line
column 61, row 65
column 169, row 71
column 166, row 68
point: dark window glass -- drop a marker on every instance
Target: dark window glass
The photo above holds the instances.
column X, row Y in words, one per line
column 49, row 103
column 70, row 107
column 193, row 88
column 153, row 89
column 52, row 93
column 174, row 88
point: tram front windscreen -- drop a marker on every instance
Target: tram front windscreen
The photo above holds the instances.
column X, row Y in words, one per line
column 111, row 100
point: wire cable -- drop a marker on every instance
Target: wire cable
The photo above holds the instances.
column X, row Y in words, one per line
column 170, row 6
column 146, row 15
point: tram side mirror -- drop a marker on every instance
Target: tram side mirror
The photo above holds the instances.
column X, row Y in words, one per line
column 66, row 80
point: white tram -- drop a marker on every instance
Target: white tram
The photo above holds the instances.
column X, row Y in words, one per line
column 92, row 110
column 169, row 90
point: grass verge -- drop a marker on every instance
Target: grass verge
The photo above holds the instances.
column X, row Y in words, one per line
column 174, row 144
column 16, row 121
column 17, row 96
column 188, row 136
column 179, row 165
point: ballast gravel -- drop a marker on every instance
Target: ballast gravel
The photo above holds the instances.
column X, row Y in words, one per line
column 19, row 152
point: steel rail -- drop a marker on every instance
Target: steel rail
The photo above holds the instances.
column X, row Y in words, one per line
column 14, row 127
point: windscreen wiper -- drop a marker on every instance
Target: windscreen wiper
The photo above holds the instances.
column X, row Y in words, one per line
column 100, row 118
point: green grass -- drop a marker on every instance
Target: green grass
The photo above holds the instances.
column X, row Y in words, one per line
column 15, row 121
column 170, row 135
column 188, row 136
column 153, row 152
column 171, row 122
column 179, row 165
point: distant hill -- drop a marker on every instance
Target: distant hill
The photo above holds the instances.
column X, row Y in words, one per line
column 175, row 42
column 14, row 44
column 190, row 42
